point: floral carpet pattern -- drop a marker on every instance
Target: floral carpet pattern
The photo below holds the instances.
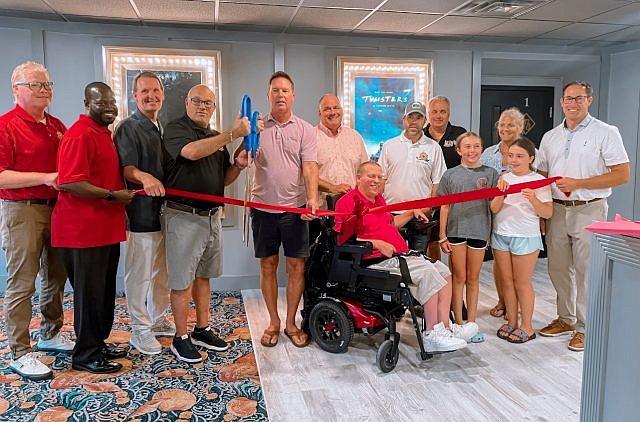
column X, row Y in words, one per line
column 224, row 387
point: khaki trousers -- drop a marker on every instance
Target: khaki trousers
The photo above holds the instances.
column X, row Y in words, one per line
column 569, row 247
column 25, row 230
column 145, row 279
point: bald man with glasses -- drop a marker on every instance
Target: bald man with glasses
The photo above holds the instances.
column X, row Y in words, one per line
column 29, row 140
column 590, row 157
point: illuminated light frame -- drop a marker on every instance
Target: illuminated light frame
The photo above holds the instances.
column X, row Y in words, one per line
column 348, row 68
column 117, row 60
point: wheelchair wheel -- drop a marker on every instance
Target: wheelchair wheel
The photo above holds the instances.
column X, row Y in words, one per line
column 387, row 356
column 331, row 327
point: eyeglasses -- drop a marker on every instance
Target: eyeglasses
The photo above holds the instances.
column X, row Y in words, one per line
column 579, row 99
column 37, row 86
column 198, row 102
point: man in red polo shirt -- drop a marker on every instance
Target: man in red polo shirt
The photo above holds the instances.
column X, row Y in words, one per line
column 29, row 139
column 88, row 224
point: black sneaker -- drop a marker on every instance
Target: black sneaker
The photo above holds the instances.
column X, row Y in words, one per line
column 185, row 350
column 208, row 340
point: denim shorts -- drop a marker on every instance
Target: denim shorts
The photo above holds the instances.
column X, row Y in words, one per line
column 517, row 245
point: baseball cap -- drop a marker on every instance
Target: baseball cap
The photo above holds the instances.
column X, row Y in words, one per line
column 415, row 107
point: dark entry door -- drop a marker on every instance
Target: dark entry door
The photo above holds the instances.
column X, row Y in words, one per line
column 535, row 102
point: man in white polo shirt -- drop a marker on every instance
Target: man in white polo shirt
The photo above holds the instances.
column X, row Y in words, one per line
column 590, row 157
column 412, row 165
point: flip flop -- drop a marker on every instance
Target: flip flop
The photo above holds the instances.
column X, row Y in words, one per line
column 268, row 337
column 298, row 334
column 505, row 331
column 498, row 311
column 521, row 336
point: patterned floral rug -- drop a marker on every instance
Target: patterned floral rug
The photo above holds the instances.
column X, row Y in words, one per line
column 224, row 387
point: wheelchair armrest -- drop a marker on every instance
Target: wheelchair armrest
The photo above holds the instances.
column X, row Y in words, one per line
column 356, row 247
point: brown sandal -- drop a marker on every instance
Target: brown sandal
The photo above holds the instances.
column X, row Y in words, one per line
column 303, row 338
column 267, row 339
column 498, row 311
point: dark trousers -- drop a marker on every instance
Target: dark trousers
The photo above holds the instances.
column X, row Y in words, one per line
column 92, row 274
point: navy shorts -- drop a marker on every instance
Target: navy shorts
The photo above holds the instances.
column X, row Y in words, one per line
column 270, row 230
column 471, row 243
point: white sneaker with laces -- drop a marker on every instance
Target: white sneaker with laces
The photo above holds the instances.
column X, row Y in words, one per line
column 440, row 339
column 29, row 367
column 145, row 342
column 163, row 327
column 465, row 331
column 57, row 343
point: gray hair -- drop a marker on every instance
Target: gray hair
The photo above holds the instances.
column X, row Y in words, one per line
column 516, row 115
column 440, row 98
column 20, row 71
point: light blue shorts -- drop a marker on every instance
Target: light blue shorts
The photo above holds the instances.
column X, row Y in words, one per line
column 517, row 245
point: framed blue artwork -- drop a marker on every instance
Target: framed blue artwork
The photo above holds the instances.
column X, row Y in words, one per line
column 375, row 91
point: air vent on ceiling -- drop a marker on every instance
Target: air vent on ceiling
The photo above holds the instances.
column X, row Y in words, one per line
column 504, row 9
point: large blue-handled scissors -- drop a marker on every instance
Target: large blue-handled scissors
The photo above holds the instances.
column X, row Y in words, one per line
column 251, row 145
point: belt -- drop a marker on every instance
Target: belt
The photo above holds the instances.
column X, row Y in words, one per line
column 574, row 203
column 192, row 210
column 32, row 201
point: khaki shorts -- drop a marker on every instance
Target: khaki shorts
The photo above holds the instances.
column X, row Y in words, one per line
column 194, row 246
column 427, row 277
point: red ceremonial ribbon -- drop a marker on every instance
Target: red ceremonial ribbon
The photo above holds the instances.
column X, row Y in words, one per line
column 435, row 201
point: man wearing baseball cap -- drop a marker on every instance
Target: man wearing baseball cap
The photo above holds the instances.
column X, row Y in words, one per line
column 412, row 165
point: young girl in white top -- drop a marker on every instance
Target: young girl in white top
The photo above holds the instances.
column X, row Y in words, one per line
column 517, row 240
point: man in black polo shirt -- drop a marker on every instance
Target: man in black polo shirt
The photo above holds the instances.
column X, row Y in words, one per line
column 442, row 131
column 200, row 163
column 139, row 142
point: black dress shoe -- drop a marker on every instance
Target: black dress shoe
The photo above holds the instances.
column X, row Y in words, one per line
column 100, row 366
column 112, row 352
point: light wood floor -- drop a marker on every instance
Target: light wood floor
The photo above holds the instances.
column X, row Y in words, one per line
column 491, row 381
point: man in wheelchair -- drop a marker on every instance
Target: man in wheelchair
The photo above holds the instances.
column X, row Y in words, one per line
column 431, row 280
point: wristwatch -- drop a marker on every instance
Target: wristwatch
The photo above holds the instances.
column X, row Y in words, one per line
column 109, row 196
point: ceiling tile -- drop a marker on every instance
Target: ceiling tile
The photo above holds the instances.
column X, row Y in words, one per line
column 491, row 39
column 547, row 41
column 425, row 6
column 25, row 5
column 524, row 28
column 328, row 18
column 631, row 33
column 571, row 10
column 119, row 9
column 462, row 25
column 596, row 43
column 268, row 2
column 578, row 31
column 341, row 4
column 629, row 15
column 396, row 22
column 259, row 14
column 176, row 10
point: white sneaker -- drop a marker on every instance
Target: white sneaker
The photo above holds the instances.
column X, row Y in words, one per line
column 30, row 367
column 56, row 343
column 465, row 331
column 145, row 342
column 163, row 327
column 440, row 339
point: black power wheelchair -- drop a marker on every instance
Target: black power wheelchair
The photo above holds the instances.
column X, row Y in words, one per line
column 342, row 296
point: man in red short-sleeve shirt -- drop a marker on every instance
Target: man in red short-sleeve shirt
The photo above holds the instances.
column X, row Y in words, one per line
column 88, row 224
column 29, row 139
